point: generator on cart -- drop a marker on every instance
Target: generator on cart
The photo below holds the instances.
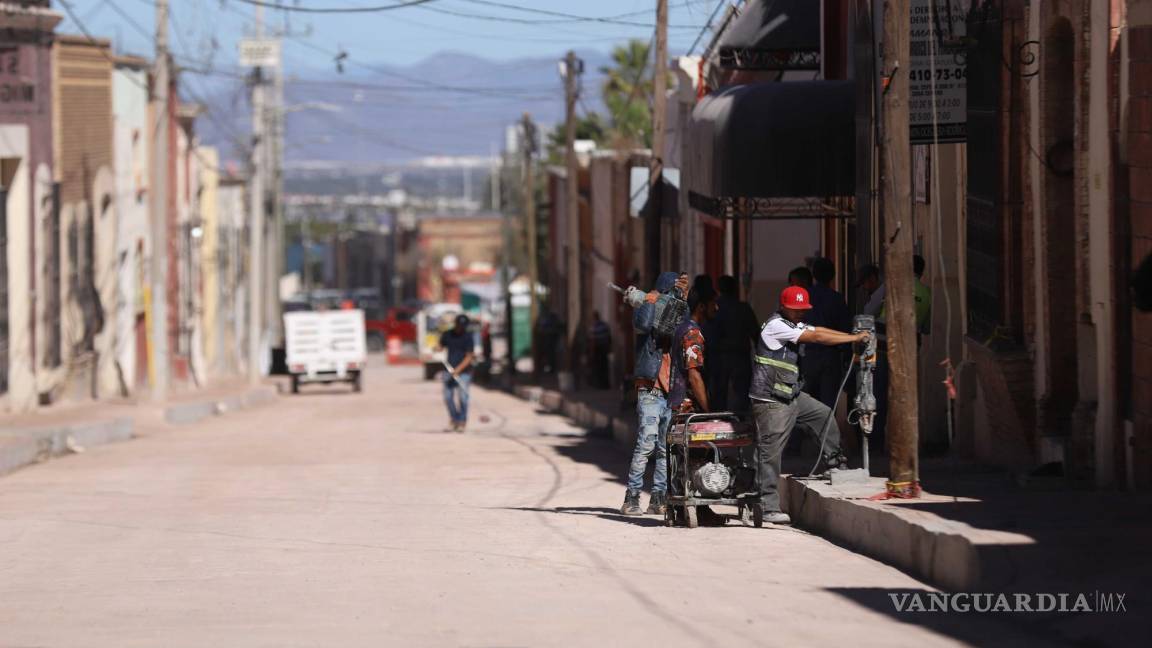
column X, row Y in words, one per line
column 711, row 462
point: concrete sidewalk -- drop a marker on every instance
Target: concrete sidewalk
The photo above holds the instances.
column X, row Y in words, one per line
column 70, row 428
column 974, row 529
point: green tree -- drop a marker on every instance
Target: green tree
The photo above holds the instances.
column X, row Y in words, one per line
column 627, row 93
column 588, row 127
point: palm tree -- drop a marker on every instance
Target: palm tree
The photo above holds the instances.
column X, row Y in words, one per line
column 627, row 93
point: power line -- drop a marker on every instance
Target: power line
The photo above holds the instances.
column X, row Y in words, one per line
column 609, row 20
column 319, row 10
column 707, row 26
column 567, row 18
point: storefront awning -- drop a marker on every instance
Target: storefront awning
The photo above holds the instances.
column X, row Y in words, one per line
column 773, row 150
column 773, row 35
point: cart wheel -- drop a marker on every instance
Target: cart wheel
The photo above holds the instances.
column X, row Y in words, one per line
column 356, row 385
column 295, row 384
column 669, row 516
column 757, row 514
column 691, row 518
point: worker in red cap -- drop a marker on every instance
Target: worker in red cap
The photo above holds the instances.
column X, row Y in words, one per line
column 778, row 401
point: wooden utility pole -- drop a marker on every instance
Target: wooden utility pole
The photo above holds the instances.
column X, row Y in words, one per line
column 158, row 262
column 659, row 116
column 896, row 192
column 256, row 263
column 573, row 67
column 529, row 149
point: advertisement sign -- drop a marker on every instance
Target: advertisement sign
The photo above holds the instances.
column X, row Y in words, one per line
column 259, row 52
column 938, row 81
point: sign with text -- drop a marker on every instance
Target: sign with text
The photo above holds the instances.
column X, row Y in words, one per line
column 260, row 52
column 938, row 73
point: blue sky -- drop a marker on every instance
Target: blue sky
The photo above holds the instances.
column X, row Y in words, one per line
column 206, row 31
column 399, row 120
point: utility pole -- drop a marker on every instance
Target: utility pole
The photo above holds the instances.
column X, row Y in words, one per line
column 256, row 197
column 659, row 116
column 529, row 149
column 659, row 113
column 274, row 164
column 573, row 67
column 158, row 262
column 896, row 193
column 505, row 276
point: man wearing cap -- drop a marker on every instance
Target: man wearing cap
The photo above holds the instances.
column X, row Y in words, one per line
column 778, row 402
column 460, row 346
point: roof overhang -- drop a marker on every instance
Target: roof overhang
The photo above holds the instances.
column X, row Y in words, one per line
column 773, row 35
column 774, row 150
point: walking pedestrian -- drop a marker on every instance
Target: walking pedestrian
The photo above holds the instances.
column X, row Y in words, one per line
column 736, row 329
column 779, row 404
column 652, row 375
column 460, row 345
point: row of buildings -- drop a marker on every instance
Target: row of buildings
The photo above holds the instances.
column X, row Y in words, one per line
column 1031, row 129
column 77, row 126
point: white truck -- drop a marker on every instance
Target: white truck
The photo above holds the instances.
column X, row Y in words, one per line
column 325, row 347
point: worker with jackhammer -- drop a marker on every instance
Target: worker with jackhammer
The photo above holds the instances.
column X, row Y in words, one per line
column 653, row 382
column 778, row 402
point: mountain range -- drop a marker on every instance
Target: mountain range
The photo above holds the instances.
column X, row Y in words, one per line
column 450, row 104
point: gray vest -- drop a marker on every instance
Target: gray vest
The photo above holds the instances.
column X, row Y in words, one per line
column 776, row 374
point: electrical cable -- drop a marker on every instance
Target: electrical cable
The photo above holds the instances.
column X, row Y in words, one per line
column 828, row 419
column 334, row 10
column 605, row 20
column 707, row 26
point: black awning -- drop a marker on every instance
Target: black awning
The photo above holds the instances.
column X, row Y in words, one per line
column 773, row 35
column 788, row 140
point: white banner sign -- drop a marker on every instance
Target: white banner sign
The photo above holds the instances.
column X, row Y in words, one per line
column 940, row 80
column 259, row 52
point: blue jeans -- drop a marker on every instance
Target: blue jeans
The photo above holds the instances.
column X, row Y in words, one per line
column 454, row 388
column 655, row 416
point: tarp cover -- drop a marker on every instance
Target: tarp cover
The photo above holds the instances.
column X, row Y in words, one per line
column 775, row 25
column 774, row 140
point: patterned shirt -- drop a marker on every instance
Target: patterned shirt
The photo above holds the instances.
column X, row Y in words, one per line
column 691, row 356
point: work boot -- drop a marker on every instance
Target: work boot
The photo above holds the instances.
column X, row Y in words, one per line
column 835, row 462
column 777, row 517
column 631, row 504
column 657, row 503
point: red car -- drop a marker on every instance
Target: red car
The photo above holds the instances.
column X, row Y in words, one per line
column 400, row 322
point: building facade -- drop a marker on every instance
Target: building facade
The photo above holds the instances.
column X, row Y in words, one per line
column 27, row 205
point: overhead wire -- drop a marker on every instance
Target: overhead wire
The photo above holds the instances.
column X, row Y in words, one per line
column 335, row 10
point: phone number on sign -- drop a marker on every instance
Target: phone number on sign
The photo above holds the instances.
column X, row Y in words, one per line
column 941, row 74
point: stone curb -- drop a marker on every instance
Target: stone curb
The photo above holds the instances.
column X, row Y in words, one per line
column 20, row 447
column 194, row 412
column 946, row 553
column 619, row 428
column 24, row 446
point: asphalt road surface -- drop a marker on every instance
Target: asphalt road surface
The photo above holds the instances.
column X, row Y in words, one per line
column 340, row 519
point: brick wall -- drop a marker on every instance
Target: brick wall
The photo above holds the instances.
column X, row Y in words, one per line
column 1140, row 211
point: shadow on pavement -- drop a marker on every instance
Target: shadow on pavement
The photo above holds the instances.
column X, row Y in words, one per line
column 594, row 511
column 604, row 453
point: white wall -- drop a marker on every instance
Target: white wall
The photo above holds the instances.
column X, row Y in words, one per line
column 14, row 143
column 133, row 241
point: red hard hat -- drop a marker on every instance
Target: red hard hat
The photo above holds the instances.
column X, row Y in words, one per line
column 795, row 297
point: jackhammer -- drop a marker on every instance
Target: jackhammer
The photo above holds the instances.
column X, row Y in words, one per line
column 864, row 411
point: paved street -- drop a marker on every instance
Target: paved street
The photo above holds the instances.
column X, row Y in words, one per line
column 339, row 519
